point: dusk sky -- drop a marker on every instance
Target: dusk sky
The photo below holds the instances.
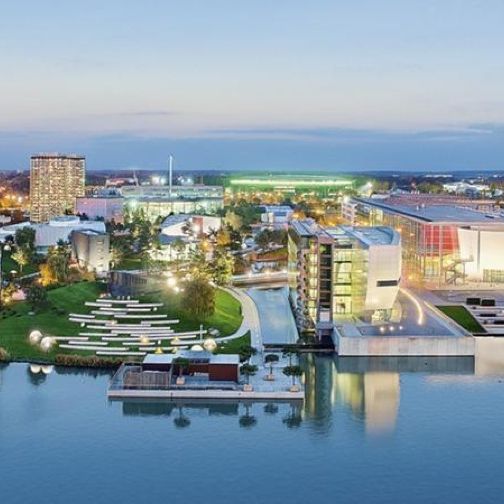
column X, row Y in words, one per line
column 255, row 84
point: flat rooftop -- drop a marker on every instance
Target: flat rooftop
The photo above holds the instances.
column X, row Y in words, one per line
column 436, row 213
column 376, row 235
column 193, row 357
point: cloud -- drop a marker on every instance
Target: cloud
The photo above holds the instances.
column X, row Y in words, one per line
column 145, row 113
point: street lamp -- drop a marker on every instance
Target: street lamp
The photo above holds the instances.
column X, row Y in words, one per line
column 3, row 247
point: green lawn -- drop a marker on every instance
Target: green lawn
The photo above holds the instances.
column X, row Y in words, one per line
column 130, row 263
column 8, row 264
column 16, row 323
column 460, row 315
column 233, row 346
column 227, row 317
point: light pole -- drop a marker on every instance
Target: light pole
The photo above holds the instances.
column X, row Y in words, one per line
column 3, row 248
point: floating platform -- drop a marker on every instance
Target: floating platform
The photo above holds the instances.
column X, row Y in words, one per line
column 257, row 395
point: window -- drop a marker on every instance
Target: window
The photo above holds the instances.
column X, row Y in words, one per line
column 387, row 283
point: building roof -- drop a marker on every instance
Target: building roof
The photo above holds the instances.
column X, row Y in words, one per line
column 376, row 235
column 173, row 220
column 367, row 236
column 192, row 356
column 437, row 213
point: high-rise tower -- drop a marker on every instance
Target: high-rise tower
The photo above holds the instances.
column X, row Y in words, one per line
column 55, row 181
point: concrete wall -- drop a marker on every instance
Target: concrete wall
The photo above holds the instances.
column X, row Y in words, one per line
column 484, row 247
column 384, row 264
column 404, row 346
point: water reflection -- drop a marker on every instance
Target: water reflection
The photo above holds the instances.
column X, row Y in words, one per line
column 368, row 388
column 248, row 412
column 365, row 390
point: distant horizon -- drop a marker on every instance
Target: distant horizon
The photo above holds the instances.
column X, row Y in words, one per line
column 259, row 85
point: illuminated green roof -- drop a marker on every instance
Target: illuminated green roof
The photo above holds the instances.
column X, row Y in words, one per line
column 307, row 181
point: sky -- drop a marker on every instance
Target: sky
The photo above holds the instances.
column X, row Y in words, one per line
column 254, row 84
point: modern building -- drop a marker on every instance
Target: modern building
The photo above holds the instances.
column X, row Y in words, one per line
column 183, row 230
column 56, row 180
column 48, row 234
column 289, row 184
column 342, row 272
column 213, row 367
column 158, row 201
column 106, row 204
column 91, row 249
column 446, row 241
column 276, row 214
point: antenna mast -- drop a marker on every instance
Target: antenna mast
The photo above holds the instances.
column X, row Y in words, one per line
column 170, row 175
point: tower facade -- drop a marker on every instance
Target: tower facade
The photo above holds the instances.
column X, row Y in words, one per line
column 56, row 180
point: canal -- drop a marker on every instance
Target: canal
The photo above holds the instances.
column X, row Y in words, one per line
column 276, row 319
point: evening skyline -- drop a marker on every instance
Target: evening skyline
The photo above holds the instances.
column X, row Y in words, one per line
column 386, row 84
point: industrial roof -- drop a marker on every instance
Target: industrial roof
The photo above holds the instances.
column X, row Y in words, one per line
column 437, row 213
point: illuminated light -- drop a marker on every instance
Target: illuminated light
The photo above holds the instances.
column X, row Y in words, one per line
column 391, row 328
column 47, row 343
column 144, row 340
column 401, row 328
column 210, row 345
column 418, row 306
column 47, row 369
column 172, row 282
column 35, row 337
column 197, row 348
column 382, row 329
column 291, row 183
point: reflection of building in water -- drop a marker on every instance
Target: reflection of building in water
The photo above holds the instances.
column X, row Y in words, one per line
column 373, row 396
column 368, row 386
column 381, row 401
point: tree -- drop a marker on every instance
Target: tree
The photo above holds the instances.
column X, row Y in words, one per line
column 182, row 363
column 233, row 220
column 47, row 275
column 198, row 264
column 7, row 293
column 25, row 238
column 37, row 296
column 199, row 298
column 222, row 267
column 248, row 370
column 293, row 372
column 178, row 246
column 246, row 352
column 58, row 264
column 289, row 352
column 21, row 257
column 270, row 359
column 223, row 238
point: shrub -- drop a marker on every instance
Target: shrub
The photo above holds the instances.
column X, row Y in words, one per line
column 91, row 361
column 4, row 355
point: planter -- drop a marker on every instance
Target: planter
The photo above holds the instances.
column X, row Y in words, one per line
column 180, row 380
column 269, row 377
column 248, row 388
column 294, row 388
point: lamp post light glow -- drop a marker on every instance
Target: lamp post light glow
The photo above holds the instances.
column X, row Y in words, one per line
column 46, row 343
column 35, row 337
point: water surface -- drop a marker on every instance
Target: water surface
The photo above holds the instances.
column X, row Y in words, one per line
column 387, row 430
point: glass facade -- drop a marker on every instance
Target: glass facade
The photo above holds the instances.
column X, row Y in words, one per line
column 430, row 250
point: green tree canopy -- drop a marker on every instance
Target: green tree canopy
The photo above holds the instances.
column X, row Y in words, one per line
column 199, row 298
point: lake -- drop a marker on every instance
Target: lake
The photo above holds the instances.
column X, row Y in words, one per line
column 386, row 430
